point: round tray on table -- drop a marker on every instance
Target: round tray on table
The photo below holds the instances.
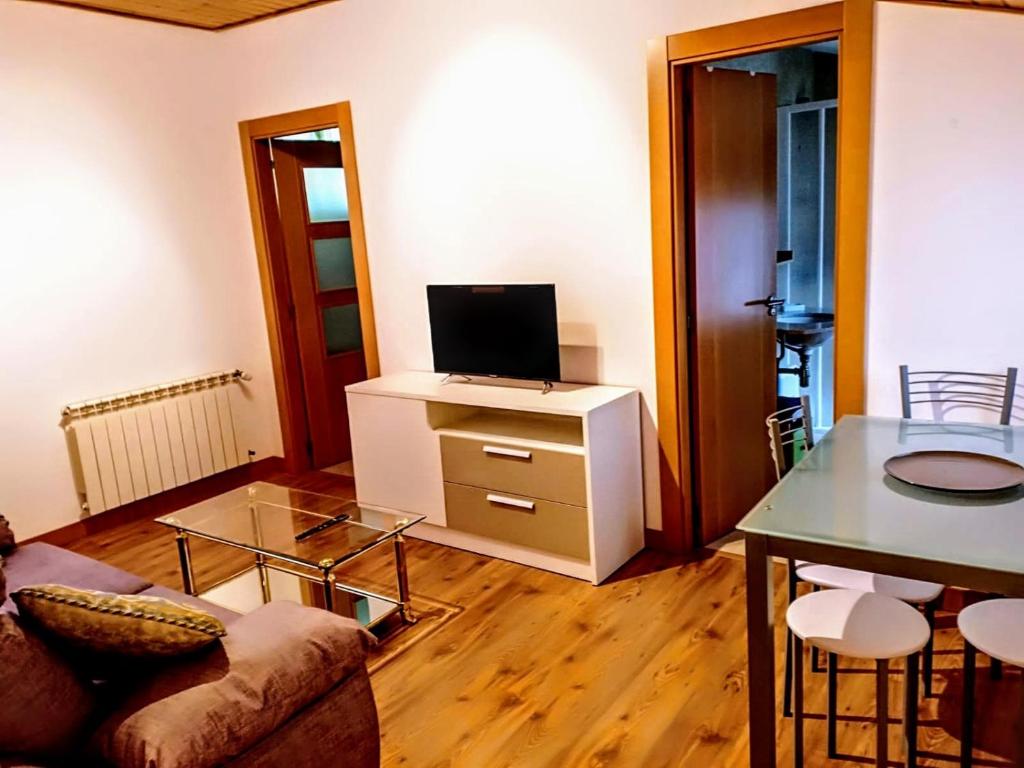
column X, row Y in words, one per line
column 956, row 471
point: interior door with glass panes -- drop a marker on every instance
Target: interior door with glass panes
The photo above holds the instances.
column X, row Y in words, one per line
column 313, row 207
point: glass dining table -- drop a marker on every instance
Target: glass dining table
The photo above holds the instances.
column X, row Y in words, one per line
column 838, row 506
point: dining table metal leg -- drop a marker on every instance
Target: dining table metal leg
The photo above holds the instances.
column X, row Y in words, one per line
column 760, row 652
column 798, row 702
column 787, row 695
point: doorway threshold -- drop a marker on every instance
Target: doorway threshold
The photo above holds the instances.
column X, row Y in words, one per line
column 732, row 545
column 344, row 468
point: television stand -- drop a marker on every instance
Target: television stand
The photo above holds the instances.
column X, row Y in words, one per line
column 452, row 376
column 549, row 478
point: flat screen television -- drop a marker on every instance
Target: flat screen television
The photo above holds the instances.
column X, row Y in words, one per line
column 507, row 331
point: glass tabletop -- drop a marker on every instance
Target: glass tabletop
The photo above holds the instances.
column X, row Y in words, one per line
column 269, row 518
column 840, row 495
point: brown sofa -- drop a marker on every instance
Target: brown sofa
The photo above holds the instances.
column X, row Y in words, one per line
column 287, row 686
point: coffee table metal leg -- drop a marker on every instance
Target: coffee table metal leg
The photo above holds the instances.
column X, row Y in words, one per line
column 185, row 558
column 403, row 580
column 329, row 585
column 264, row 574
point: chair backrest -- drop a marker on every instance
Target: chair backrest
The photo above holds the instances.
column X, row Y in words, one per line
column 787, row 429
column 988, row 391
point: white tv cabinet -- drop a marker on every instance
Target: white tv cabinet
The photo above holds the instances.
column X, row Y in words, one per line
column 548, row 480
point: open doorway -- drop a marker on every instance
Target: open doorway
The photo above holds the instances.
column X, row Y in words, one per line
column 670, row 60
column 760, row 170
column 307, row 219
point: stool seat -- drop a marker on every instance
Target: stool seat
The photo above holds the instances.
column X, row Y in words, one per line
column 835, row 577
column 858, row 624
column 996, row 628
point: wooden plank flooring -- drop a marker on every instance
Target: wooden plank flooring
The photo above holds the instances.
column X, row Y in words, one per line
column 647, row 670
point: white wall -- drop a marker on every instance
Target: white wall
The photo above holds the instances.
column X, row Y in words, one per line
column 126, row 245
column 947, row 265
column 498, row 141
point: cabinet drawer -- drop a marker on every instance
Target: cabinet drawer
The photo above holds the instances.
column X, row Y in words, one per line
column 501, row 466
column 546, row 525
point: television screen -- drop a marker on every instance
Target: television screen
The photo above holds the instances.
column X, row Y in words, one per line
column 509, row 331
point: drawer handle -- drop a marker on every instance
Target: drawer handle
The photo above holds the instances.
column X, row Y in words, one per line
column 510, row 502
column 495, row 450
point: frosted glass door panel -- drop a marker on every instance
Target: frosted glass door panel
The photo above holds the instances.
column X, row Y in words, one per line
column 326, row 196
column 334, row 266
column 342, row 329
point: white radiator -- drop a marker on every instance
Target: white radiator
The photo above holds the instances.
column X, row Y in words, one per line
column 130, row 446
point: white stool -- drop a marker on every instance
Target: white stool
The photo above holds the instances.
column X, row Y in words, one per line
column 924, row 594
column 996, row 628
column 860, row 625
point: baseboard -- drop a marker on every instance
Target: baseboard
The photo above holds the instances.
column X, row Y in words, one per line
column 165, row 502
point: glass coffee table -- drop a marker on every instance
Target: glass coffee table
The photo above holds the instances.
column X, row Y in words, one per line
column 299, row 540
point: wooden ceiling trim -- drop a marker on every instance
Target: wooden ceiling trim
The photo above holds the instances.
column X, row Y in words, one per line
column 1008, row 5
column 215, row 15
column 198, row 14
column 1013, row 6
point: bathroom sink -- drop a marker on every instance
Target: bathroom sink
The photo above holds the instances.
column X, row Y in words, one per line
column 804, row 329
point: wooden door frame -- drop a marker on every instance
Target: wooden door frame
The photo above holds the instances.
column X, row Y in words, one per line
column 852, row 23
column 270, row 258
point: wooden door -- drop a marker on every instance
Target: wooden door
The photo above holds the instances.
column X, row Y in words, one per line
column 731, row 252
column 324, row 299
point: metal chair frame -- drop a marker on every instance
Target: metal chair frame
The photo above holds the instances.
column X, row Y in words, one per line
column 784, row 428
column 988, row 391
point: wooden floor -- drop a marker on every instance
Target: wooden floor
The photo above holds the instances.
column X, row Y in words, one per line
column 647, row 670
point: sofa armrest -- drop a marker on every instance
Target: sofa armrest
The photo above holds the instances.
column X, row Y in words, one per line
column 208, row 709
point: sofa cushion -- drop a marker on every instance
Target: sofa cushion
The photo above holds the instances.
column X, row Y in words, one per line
column 226, row 615
column 41, row 563
column 211, row 708
column 3, row 584
column 44, row 705
column 129, row 625
column 343, row 722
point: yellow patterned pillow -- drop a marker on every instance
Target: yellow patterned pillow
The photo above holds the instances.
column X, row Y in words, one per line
column 131, row 625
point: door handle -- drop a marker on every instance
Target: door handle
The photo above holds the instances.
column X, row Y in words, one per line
column 510, row 502
column 495, row 450
column 771, row 301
